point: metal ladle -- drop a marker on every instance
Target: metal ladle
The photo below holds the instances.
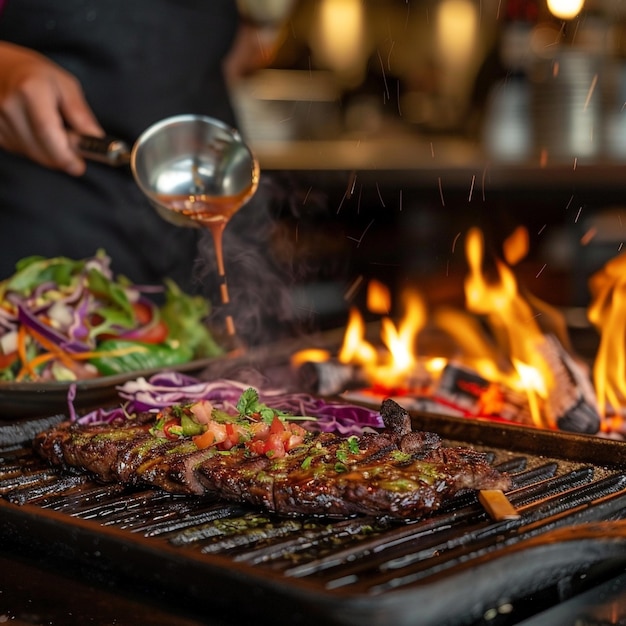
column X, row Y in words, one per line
column 196, row 171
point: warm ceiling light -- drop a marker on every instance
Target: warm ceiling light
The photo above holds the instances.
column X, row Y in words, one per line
column 457, row 29
column 340, row 36
column 565, row 9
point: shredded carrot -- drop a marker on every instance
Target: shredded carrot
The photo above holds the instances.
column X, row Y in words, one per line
column 64, row 357
column 21, row 350
column 55, row 352
column 28, row 368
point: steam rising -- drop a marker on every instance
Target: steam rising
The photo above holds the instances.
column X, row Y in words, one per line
column 258, row 257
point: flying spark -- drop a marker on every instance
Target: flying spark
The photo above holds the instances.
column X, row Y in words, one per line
column 382, row 67
column 592, row 87
column 393, row 43
column 360, row 239
column 443, row 202
column 454, row 241
column 471, row 188
column 341, row 203
column 351, row 185
column 541, row 271
column 484, row 178
column 380, row 196
column 352, row 289
column 578, row 215
column 588, row 236
column 306, row 197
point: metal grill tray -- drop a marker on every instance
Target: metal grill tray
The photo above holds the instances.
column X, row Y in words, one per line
column 452, row 568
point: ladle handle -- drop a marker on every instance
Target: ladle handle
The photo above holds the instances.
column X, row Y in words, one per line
column 104, row 149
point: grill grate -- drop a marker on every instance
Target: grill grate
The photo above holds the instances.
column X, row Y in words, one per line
column 351, row 571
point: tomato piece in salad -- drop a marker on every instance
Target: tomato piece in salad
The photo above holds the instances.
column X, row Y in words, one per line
column 155, row 333
column 149, row 330
column 7, row 360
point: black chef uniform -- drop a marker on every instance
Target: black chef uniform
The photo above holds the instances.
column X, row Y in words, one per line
column 139, row 61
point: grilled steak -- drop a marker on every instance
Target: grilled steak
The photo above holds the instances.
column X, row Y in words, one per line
column 396, row 473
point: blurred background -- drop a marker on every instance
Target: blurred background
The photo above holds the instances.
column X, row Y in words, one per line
column 396, row 125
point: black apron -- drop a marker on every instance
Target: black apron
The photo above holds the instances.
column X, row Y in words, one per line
column 139, row 61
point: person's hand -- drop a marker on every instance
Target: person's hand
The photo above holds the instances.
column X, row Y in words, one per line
column 42, row 110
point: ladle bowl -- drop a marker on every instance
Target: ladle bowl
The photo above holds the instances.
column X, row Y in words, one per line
column 182, row 159
column 190, row 157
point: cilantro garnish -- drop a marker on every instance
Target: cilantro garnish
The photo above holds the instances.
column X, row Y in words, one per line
column 353, row 444
column 342, row 455
column 249, row 405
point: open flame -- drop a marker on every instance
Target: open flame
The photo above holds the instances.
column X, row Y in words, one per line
column 606, row 313
column 514, row 325
column 396, row 364
column 512, row 357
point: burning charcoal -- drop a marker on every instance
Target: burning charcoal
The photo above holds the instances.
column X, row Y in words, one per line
column 462, row 386
column 423, row 404
column 331, row 377
column 466, row 390
column 572, row 402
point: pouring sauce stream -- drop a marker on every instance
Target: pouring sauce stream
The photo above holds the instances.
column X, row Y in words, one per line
column 214, row 213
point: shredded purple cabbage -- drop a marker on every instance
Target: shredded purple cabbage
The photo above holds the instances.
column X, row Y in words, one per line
column 169, row 388
column 71, row 395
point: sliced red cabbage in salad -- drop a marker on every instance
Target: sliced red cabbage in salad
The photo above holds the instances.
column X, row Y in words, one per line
column 169, row 388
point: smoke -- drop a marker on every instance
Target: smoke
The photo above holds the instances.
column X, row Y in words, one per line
column 260, row 270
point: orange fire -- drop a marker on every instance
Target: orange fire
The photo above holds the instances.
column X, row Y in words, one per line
column 514, row 326
column 516, row 344
column 606, row 313
column 397, row 362
column 378, row 298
